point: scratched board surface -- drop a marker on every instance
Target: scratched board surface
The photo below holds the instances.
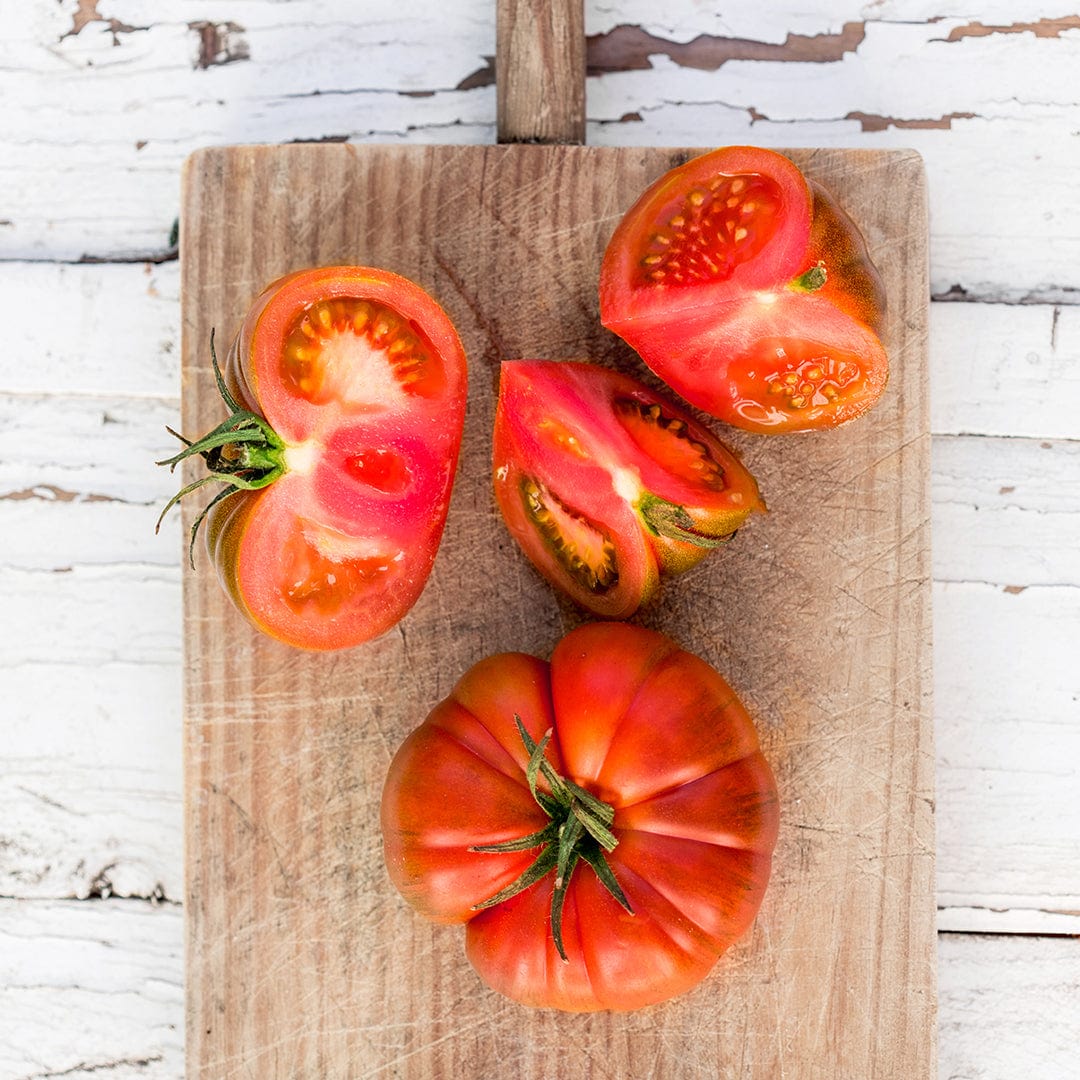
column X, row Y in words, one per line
column 302, row 960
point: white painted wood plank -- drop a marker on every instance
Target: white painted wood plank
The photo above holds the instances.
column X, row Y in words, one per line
column 91, row 615
column 90, row 990
column 44, row 528
column 683, row 20
column 1005, row 369
column 1004, row 920
column 92, row 329
column 105, row 117
column 90, row 779
column 1007, row 1008
column 1007, row 708
column 1006, row 511
column 119, row 335
column 94, row 446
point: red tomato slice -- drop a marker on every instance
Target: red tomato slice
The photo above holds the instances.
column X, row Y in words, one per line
column 605, row 484
column 357, row 379
column 730, row 255
column 652, row 740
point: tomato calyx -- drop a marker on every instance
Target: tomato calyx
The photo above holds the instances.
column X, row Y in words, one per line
column 243, row 452
column 578, row 829
column 669, row 519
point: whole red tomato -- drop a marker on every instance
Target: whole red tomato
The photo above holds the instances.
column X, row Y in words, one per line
column 749, row 292
column 603, row 825
column 346, row 387
column 606, row 484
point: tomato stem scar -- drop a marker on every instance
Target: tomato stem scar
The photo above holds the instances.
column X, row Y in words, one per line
column 578, row 830
column 811, row 280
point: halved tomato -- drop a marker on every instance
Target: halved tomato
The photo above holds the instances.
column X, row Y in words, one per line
column 605, row 484
column 749, row 292
column 346, row 387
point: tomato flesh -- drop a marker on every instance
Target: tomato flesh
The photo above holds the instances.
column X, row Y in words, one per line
column 605, row 484
column 725, row 254
column 657, row 734
column 362, row 376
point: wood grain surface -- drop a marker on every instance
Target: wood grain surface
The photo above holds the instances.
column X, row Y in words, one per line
column 302, row 961
column 540, row 71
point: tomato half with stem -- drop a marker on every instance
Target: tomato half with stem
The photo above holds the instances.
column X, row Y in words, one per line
column 606, row 484
column 346, row 388
column 603, row 825
column 750, row 292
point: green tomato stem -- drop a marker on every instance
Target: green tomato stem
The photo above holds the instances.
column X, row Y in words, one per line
column 664, row 518
column 578, row 831
column 243, row 452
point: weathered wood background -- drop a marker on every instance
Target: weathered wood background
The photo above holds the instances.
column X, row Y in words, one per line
column 101, row 103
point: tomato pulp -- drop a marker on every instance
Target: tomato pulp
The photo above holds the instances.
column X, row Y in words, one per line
column 355, row 379
column 644, row 756
column 749, row 292
column 606, row 484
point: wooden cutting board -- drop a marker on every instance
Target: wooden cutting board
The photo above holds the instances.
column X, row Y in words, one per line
column 302, row 960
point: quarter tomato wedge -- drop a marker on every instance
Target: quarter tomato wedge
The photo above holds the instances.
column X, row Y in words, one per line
column 749, row 292
column 346, row 387
column 606, row 485
column 603, row 825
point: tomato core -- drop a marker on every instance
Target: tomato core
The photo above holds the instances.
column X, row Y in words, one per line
column 582, row 549
column 704, row 234
column 359, row 353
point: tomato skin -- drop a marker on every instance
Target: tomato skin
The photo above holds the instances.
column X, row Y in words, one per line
column 591, row 464
column 336, row 550
column 644, row 725
column 808, row 278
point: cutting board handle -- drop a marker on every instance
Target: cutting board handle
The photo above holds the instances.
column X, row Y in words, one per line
column 540, row 71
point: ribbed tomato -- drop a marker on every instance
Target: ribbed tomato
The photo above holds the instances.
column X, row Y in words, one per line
column 749, row 292
column 346, row 387
column 606, row 484
column 603, row 825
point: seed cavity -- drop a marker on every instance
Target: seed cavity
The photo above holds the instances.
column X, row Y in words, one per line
column 358, row 352
column 583, row 550
column 816, row 382
column 706, row 235
column 668, row 440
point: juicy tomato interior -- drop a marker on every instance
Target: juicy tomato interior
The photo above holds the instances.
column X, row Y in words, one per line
column 360, row 354
column 719, row 223
column 721, row 258
column 321, row 569
column 362, row 376
column 603, row 483
column 580, row 546
column 670, row 442
column 722, row 223
column 784, row 384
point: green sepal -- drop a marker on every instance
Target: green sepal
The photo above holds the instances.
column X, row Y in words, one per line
column 243, row 452
column 669, row 519
column 577, row 830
